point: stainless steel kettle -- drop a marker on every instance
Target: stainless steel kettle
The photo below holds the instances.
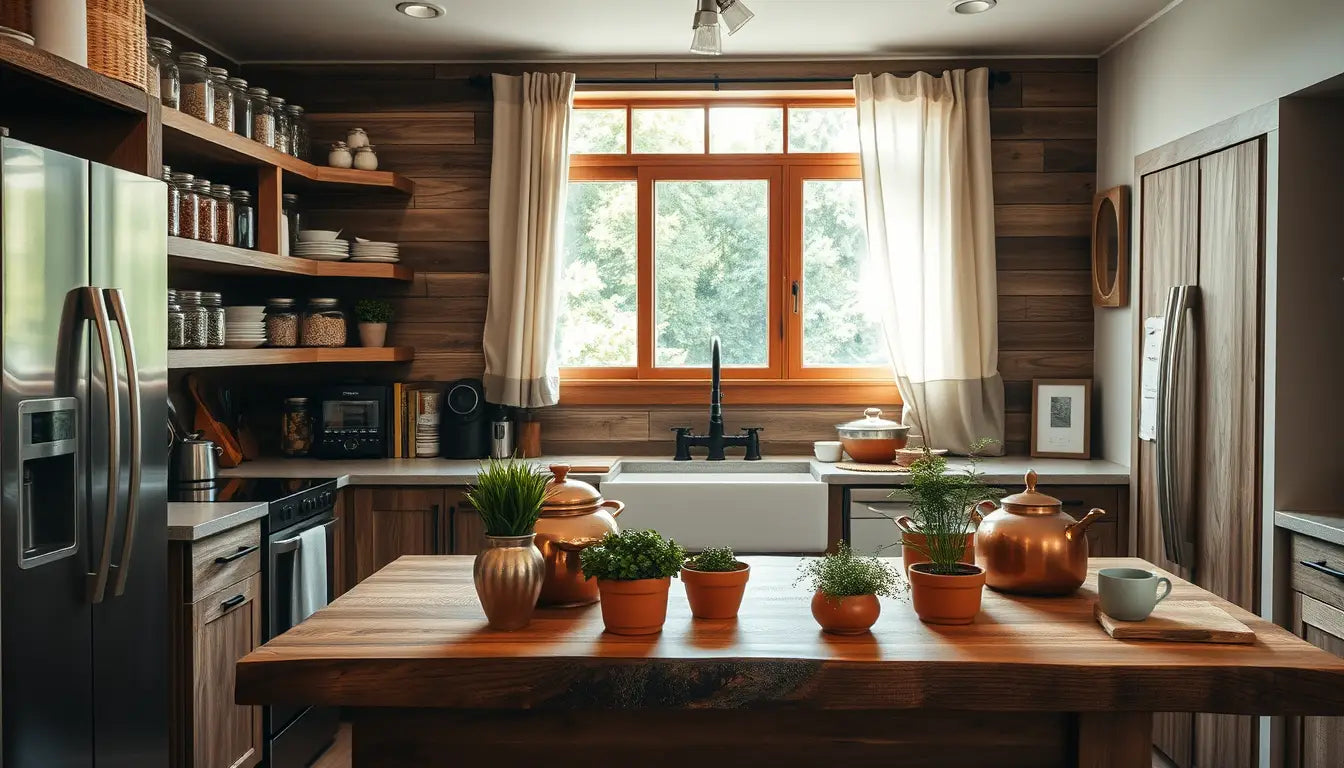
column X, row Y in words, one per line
column 195, row 460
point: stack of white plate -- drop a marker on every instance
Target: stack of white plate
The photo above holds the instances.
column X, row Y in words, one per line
column 381, row 253
column 244, row 327
column 14, row 34
column 323, row 250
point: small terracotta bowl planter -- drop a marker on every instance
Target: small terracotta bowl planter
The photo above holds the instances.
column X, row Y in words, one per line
column 715, row 594
column 946, row 598
column 914, row 544
column 636, row 607
column 853, row 615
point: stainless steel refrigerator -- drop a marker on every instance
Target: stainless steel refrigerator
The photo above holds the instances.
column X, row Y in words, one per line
column 83, row 463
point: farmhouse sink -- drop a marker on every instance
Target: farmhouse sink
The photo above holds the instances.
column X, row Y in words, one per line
column 755, row 507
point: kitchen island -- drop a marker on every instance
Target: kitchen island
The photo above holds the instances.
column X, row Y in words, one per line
column 1033, row 682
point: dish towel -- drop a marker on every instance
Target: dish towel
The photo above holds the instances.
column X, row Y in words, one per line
column 310, row 574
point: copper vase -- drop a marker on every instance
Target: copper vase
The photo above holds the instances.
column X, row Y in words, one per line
column 508, row 575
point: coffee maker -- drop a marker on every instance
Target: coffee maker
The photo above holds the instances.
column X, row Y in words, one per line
column 464, row 428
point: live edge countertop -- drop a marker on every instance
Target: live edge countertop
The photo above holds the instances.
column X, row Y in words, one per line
column 195, row 520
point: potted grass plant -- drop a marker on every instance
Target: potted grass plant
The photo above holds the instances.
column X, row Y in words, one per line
column 508, row 573
column 373, row 315
column 715, row 583
column 634, row 570
column 845, row 588
column 944, row 588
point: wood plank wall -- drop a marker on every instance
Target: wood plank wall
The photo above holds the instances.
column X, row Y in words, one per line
column 433, row 123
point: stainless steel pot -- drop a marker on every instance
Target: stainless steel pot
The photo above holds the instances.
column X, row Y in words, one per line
column 195, row 460
column 872, row 439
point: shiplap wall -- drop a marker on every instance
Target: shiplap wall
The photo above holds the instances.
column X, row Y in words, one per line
column 432, row 123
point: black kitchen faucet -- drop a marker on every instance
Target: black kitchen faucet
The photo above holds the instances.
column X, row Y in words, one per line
column 715, row 440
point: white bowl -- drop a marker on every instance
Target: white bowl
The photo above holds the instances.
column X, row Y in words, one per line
column 827, row 450
column 316, row 235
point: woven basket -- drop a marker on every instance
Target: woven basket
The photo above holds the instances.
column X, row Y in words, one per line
column 117, row 40
column 17, row 14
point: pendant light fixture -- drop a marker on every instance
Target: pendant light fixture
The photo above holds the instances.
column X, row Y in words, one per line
column 705, row 39
column 735, row 14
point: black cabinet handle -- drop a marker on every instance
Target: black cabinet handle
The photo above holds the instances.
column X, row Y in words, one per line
column 434, row 511
column 241, row 553
column 1319, row 565
column 233, row 602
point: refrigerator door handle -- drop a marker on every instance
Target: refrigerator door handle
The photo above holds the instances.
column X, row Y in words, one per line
column 94, row 307
column 1175, row 542
column 117, row 304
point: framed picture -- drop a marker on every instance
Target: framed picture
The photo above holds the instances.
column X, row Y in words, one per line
column 1061, row 418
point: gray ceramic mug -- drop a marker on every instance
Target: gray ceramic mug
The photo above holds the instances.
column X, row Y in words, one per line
column 1130, row 594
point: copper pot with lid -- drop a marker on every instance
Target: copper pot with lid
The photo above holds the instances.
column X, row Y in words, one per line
column 573, row 518
column 1031, row 546
column 872, row 439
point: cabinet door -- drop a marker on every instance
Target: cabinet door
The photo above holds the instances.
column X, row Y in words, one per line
column 226, row 627
column 340, row 542
column 1318, row 742
column 466, row 521
column 391, row 522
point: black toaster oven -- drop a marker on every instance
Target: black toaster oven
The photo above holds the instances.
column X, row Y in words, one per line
column 353, row 422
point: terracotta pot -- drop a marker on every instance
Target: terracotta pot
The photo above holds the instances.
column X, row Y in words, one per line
column 715, row 594
column 634, row 607
column 845, row 615
column 946, row 599
column 372, row 334
column 911, row 555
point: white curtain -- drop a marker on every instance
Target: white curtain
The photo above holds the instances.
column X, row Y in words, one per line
column 928, row 189
column 529, row 176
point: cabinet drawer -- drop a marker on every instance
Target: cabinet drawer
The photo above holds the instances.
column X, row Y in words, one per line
column 225, row 558
column 1313, row 581
column 1079, row 499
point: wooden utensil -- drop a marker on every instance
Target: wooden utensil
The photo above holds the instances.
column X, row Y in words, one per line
column 211, row 428
column 1176, row 621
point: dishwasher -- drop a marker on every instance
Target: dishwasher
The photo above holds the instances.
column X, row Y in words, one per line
column 872, row 530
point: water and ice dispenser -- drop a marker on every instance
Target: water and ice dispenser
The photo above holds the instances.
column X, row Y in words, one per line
column 48, row 519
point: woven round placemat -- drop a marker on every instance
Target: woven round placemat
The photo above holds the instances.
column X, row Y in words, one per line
column 857, row 467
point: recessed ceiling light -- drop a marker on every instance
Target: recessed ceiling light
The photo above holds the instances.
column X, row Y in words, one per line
column 969, row 7
column 420, row 10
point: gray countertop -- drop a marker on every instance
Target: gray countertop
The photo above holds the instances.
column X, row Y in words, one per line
column 1328, row 526
column 194, row 520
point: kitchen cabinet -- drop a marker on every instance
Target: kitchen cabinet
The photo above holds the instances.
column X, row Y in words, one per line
column 1318, row 618
column 341, row 562
column 468, row 531
column 391, row 522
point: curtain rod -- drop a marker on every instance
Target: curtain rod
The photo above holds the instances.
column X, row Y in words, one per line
column 483, row 81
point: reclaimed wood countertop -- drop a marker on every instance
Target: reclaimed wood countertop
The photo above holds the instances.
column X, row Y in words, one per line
column 413, row 635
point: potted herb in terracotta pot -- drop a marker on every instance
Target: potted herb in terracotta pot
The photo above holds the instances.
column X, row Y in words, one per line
column 945, row 589
column 715, row 582
column 633, row 570
column 508, row 495
column 373, row 315
column 845, row 589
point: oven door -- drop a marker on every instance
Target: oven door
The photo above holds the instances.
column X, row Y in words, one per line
column 281, row 547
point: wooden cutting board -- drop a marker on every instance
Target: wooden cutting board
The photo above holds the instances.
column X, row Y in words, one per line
column 1177, row 621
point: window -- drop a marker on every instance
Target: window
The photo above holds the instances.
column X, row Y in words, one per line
column 742, row 219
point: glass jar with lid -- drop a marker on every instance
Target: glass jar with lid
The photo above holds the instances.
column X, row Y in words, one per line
column 174, row 201
column 187, row 209
column 198, row 89
column 282, row 323
column 281, row 124
column 195, row 320
column 206, row 211
column 223, row 98
column 298, row 132
column 153, row 67
column 365, row 158
column 289, row 206
column 223, row 213
column 244, row 220
column 263, row 116
column 214, row 319
column 323, row 324
column 297, row 429
column 176, row 328
column 242, row 107
column 170, row 83
column 339, row 155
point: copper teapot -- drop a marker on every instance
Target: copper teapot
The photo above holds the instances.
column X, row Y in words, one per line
column 573, row 518
column 1031, row 546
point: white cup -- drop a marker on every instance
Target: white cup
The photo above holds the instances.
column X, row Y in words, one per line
column 827, row 450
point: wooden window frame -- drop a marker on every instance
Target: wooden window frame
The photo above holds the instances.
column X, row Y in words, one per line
column 785, row 380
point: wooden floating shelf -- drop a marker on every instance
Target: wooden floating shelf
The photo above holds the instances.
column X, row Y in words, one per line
column 187, row 140
column 34, row 64
column 228, row 260
column 187, row 359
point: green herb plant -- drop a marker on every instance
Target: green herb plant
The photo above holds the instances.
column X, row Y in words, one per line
column 714, row 560
column 944, row 505
column 509, row 495
column 844, row 574
column 632, row 555
column 373, row 311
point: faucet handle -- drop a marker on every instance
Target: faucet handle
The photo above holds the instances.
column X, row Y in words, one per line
column 753, row 430
column 753, row 442
column 681, row 430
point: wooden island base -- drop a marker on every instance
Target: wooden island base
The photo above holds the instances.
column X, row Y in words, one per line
column 429, row 738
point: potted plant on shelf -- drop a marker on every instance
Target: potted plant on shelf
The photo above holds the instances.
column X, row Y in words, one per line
column 944, row 588
column 715, row 582
column 373, row 316
column 634, row 570
column 508, row 495
column 845, row 589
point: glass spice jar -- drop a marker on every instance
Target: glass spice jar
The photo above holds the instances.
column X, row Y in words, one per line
column 223, row 98
column 281, row 124
column 174, row 202
column 242, row 107
column 323, row 324
column 198, row 91
column 214, row 319
column 244, row 220
column 365, row 158
column 176, row 329
column 187, row 207
column 298, row 132
column 195, row 320
column 263, row 116
column 289, row 206
column 339, row 155
column 282, row 323
column 170, row 81
column 223, row 213
column 297, row 429
column 206, row 211
column 356, row 138
column 153, row 69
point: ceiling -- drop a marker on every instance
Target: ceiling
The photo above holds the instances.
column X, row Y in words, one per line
column 372, row 30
